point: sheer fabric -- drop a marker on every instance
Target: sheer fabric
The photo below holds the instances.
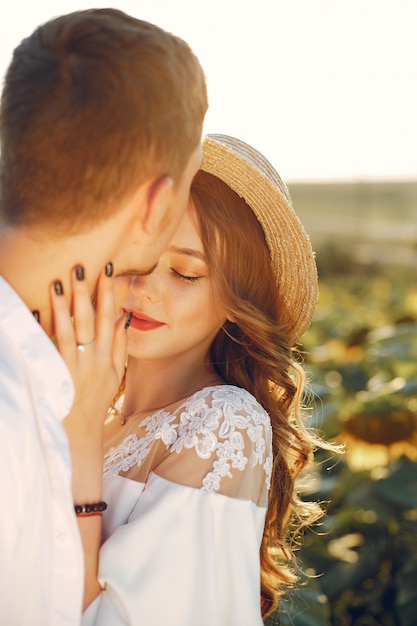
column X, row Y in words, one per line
column 187, row 493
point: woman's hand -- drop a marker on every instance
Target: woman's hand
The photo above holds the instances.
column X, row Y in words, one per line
column 93, row 345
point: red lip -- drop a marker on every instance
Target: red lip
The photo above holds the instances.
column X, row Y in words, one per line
column 140, row 321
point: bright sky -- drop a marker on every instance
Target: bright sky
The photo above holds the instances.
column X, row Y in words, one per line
column 327, row 89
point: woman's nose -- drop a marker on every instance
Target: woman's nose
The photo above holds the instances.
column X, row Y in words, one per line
column 144, row 286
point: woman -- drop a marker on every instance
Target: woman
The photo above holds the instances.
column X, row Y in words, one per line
column 205, row 439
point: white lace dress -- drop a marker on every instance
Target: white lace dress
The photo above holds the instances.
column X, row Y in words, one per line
column 181, row 540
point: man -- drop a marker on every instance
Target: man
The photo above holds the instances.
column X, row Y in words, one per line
column 100, row 128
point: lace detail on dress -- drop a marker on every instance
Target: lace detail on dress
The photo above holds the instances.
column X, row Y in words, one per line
column 213, row 420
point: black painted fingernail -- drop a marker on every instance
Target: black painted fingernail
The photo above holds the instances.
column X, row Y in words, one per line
column 109, row 269
column 59, row 290
column 36, row 315
column 128, row 320
column 79, row 272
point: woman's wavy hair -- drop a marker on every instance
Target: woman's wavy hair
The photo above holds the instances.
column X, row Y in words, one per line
column 253, row 352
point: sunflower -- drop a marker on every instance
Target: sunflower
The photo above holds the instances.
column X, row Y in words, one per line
column 382, row 431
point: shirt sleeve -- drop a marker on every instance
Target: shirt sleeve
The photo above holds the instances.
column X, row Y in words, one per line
column 185, row 556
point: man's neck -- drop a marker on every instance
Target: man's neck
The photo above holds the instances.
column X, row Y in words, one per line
column 31, row 264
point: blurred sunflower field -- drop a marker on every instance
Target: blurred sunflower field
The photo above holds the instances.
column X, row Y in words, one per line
column 359, row 563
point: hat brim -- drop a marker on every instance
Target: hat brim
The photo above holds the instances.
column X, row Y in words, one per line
column 253, row 178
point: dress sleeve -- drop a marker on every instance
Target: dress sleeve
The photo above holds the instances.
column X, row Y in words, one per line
column 221, row 443
column 185, row 556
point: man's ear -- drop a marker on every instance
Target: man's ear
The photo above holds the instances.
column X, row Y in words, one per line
column 158, row 202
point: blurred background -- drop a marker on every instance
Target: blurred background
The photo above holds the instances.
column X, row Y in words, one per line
column 327, row 90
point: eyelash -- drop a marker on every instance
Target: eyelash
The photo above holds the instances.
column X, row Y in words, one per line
column 187, row 279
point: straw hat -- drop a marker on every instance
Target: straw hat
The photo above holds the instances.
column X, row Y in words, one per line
column 253, row 178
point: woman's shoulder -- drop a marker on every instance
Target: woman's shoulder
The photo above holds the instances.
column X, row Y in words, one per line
column 220, row 396
column 223, row 409
column 228, row 428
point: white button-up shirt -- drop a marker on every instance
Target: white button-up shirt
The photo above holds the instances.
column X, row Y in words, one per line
column 41, row 559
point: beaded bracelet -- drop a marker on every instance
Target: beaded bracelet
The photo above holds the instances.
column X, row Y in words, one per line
column 90, row 509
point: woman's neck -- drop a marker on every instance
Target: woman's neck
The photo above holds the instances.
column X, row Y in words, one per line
column 151, row 386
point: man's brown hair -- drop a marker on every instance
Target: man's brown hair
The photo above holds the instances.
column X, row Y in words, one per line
column 94, row 103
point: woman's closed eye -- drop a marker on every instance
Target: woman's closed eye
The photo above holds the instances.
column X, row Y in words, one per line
column 184, row 276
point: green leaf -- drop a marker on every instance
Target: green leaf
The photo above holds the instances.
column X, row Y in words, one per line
column 401, row 486
column 405, row 581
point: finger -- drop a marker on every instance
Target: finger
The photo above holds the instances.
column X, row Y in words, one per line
column 83, row 312
column 105, row 312
column 120, row 344
column 63, row 327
